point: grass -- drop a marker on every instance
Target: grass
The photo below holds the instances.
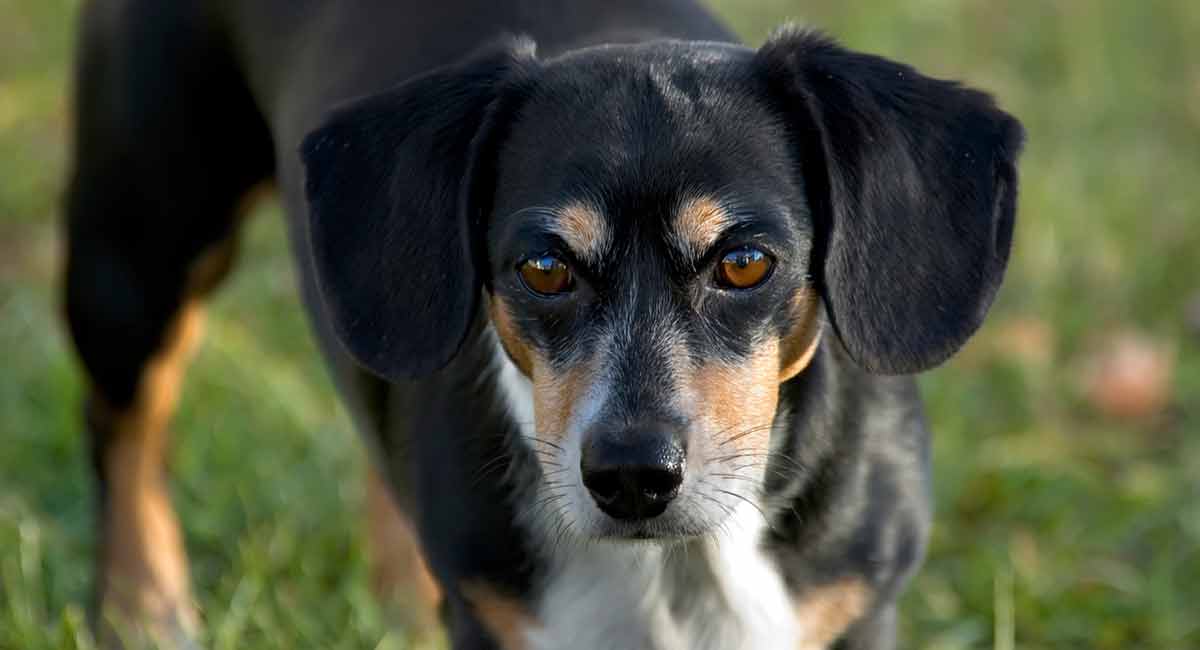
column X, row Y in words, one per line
column 1057, row 526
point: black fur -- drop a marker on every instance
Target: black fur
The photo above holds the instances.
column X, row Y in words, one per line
column 392, row 217
column 913, row 184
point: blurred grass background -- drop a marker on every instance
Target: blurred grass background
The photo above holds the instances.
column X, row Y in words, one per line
column 1067, row 457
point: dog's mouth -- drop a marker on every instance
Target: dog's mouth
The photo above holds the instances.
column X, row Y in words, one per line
column 667, row 531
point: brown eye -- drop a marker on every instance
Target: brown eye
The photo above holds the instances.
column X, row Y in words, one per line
column 744, row 268
column 546, row 275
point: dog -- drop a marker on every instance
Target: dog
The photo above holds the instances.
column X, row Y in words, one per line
column 626, row 312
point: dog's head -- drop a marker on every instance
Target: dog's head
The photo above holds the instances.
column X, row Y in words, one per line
column 660, row 231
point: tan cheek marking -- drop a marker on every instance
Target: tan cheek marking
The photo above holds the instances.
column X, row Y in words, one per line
column 400, row 577
column 555, row 393
column 584, row 229
column 699, row 222
column 506, row 329
column 798, row 346
column 145, row 573
column 740, row 400
column 555, row 397
column 504, row 618
column 824, row 613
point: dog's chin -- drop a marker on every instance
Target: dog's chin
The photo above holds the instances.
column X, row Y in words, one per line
column 645, row 532
column 665, row 530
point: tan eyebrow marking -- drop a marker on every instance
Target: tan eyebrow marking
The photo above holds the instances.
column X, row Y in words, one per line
column 699, row 221
column 584, row 228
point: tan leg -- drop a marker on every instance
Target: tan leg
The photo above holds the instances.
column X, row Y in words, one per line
column 399, row 576
column 143, row 588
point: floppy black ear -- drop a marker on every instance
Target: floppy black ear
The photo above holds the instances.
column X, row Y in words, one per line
column 393, row 209
column 912, row 183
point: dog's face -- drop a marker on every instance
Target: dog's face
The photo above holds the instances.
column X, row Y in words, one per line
column 660, row 230
column 649, row 252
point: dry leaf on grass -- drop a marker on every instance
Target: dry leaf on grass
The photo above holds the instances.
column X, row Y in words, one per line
column 1129, row 376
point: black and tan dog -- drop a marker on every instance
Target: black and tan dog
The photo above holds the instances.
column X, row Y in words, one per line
column 619, row 314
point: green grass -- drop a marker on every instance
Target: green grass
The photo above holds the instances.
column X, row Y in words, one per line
column 1056, row 526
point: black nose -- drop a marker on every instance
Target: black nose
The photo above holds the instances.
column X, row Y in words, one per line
column 634, row 474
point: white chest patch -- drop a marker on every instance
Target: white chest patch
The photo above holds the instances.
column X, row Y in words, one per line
column 715, row 594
